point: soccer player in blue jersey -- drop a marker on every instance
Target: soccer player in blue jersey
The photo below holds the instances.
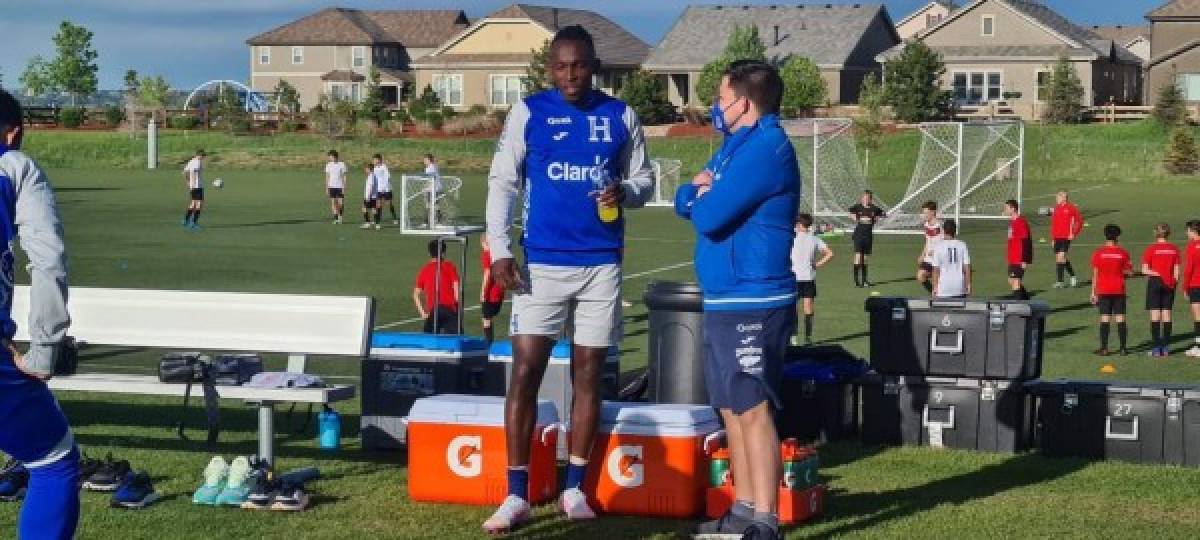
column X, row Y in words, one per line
column 747, row 196
column 579, row 155
column 34, row 431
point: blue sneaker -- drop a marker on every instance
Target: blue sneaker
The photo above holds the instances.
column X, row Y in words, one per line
column 214, row 482
column 237, row 488
column 13, row 481
column 136, row 491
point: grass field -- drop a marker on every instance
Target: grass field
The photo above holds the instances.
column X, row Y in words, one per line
column 268, row 231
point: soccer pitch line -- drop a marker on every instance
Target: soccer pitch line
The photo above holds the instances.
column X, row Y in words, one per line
column 476, row 307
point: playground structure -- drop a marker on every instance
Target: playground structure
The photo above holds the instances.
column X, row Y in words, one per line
column 252, row 101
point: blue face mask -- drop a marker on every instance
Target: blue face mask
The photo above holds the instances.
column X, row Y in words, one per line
column 718, row 117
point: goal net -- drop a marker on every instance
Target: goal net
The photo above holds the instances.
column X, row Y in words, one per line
column 429, row 204
column 968, row 169
column 666, row 181
column 832, row 175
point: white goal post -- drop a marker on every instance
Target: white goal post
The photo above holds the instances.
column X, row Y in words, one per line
column 666, row 181
column 429, row 205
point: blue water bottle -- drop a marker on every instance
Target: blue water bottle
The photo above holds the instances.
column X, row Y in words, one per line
column 329, row 424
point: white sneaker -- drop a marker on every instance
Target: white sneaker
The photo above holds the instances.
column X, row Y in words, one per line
column 395, row 222
column 513, row 512
column 574, row 504
column 1193, row 352
column 365, row 226
column 378, row 226
column 1058, row 284
column 795, row 341
column 1074, row 282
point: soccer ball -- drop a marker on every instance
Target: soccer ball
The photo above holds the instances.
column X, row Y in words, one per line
column 218, row 183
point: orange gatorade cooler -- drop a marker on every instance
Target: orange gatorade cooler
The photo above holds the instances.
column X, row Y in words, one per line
column 456, row 451
column 648, row 459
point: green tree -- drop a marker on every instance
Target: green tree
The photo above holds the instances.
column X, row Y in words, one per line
column 868, row 128
column 803, row 87
column 373, row 107
column 1170, row 109
column 911, row 83
column 537, row 76
column 74, row 69
column 288, row 97
column 427, row 102
column 131, row 82
column 153, row 92
column 644, row 92
column 1182, row 156
column 744, row 44
column 1064, row 94
column 36, row 77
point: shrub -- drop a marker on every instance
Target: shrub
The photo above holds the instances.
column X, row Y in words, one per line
column 71, row 117
column 1064, row 100
column 477, row 110
column 1182, row 156
column 435, row 120
column 644, row 92
column 1170, row 109
column 448, row 112
column 114, row 115
column 289, row 126
column 911, row 83
column 500, row 115
column 803, row 87
column 183, row 122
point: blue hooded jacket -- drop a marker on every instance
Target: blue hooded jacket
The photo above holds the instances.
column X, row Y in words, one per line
column 744, row 224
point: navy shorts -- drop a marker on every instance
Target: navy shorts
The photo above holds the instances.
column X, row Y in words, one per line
column 1062, row 245
column 743, row 356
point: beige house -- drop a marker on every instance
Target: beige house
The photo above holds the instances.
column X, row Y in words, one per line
column 1135, row 39
column 924, row 18
column 1175, row 49
column 333, row 50
column 842, row 40
column 486, row 63
column 994, row 48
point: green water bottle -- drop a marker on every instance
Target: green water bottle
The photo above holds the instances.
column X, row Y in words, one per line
column 719, row 468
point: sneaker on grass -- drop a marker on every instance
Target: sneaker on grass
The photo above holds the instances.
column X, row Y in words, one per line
column 291, row 497
column 513, row 512
column 136, row 491
column 108, row 476
column 727, row 524
column 14, row 480
column 262, row 486
column 214, row 482
column 574, row 504
column 237, row 487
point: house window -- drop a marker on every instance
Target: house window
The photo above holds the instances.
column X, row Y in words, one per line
column 338, row 91
column 297, row 55
column 977, row 87
column 359, row 56
column 1189, row 84
column 505, row 89
column 356, row 92
column 1043, row 85
column 989, row 25
column 449, row 88
column 264, row 56
column 932, row 20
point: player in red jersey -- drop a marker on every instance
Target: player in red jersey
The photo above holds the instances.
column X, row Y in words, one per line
column 1160, row 264
column 1020, row 249
column 1065, row 224
column 1110, row 267
column 491, row 293
column 1191, row 282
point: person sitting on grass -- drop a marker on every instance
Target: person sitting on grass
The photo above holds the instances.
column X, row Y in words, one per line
column 1110, row 267
column 438, row 291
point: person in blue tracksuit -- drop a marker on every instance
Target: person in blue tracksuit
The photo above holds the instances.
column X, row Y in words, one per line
column 34, row 431
column 579, row 157
column 742, row 207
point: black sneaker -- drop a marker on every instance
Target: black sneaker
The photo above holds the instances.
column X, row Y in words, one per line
column 263, row 486
column 136, row 491
column 87, row 467
column 291, row 497
column 725, row 525
column 760, row 531
column 14, row 481
column 108, row 475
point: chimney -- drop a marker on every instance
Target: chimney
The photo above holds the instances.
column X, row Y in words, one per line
column 776, row 42
column 556, row 19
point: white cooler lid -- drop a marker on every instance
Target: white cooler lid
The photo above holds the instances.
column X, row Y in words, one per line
column 473, row 410
column 651, row 419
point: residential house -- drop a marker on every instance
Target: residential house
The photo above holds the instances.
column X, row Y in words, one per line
column 1175, row 49
column 998, row 48
column 486, row 63
column 333, row 50
column 1135, row 39
column 842, row 40
column 924, row 18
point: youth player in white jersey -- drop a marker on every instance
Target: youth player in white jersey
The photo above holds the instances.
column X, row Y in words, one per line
column 371, row 209
column 933, row 234
column 951, row 264
column 335, row 185
column 383, row 179
column 194, row 179
column 805, row 261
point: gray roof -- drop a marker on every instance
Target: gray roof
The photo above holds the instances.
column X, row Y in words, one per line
column 1176, row 8
column 341, row 26
column 826, row 34
column 1122, row 34
column 614, row 44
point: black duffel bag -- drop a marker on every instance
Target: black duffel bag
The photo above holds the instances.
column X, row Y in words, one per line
column 236, row 369
column 189, row 368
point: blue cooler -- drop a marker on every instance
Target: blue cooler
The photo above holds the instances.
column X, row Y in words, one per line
column 556, row 384
column 403, row 367
column 820, row 401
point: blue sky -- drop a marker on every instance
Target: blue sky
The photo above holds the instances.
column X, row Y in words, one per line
column 192, row 41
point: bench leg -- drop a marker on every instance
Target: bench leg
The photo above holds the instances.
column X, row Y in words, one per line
column 266, row 432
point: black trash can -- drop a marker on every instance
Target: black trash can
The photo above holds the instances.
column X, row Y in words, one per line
column 676, row 338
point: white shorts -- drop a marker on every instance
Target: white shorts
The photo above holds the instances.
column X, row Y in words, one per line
column 582, row 303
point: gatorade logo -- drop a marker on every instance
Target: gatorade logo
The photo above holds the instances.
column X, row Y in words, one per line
column 625, row 466
column 464, row 455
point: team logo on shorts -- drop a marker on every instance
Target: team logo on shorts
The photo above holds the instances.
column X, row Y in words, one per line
column 750, row 358
column 464, row 455
column 624, row 466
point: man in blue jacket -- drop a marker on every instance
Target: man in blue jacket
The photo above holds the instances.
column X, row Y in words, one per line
column 742, row 206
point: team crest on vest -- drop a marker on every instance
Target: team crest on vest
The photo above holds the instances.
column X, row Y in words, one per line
column 464, row 455
column 624, row 466
column 601, row 129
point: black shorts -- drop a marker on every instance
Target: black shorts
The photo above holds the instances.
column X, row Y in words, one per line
column 385, row 195
column 369, row 204
column 1111, row 304
column 743, row 356
column 197, row 194
column 1158, row 295
column 1016, row 271
column 806, row 289
column 925, row 267
column 863, row 242
column 336, row 193
column 1194, row 295
column 443, row 320
column 491, row 309
column 1062, row 245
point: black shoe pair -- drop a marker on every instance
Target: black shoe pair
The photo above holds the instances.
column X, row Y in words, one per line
column 106, row 475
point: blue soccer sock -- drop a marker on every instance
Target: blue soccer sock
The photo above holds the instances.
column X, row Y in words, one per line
column 51, row 508
column 518, row 482
column 576, row 470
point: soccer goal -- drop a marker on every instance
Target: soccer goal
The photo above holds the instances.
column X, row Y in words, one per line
column 666, row 181
column 968, row 169
column 429, row 204
column 832, row 176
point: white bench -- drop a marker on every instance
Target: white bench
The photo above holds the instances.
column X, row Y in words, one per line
column 297, row 325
